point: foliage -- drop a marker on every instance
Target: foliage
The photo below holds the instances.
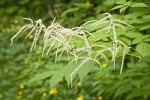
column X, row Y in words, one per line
column 59, row 40
column 131, row 83
column 123, row 5
column 27, row 75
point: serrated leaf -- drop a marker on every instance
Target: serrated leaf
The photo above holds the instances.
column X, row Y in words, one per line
column 115, row 85
column 96, row 88
column 143, row 49
column 123, row 89
column 147, row 40
column 132, row 34
column 117, row 7
column 41, row 76
column 133, row 15
column 139, row 5
column 137, row 40
column 136, row 21
column 146, row 92
column 135, row 93
column 101, row 90
column 126, row 40
column 70, row 10
column 98, row 35
column 137, row 82
column 122, row 9
column 120, row 1
column 57, row 76
column 83, row 5
column 105, row 39
column 10, row 10
column 85, row 69
column 68, row 70
column 144, row 26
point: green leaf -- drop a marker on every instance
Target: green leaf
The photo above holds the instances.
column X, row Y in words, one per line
column 101, row 90
column 126, row 40
column 68, row 70
column 83, row 5
column 147, row 40
column 137, row 40
column 11, row 10
column 70, row 11
column 98, row 35
column 146, row 93
column 139, row 5
column 23, row 2
column 120, row 1
column 85, row 69
column 144, row 26
column 57, row 76
column 123, row 89
column 117, row 7
column 140, row 92
column 122, row 9
column 143, row 49
column 132, row 34
column 133, row 15
column 136, row 21
column 137, row 82
column 135, row 93
column 41, row 76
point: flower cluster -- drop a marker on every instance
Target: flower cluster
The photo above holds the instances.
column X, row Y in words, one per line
column 22, row 86
column 44, row 94
column 79, row 84
column 80, row 98
column 53, row 91
column 63, row 40
column 100, row 97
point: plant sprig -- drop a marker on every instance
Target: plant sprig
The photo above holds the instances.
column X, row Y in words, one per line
column 61, row 39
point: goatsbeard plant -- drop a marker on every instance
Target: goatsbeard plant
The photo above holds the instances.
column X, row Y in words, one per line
column 63, row 40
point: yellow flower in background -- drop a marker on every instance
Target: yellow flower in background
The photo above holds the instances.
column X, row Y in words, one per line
column 100, row 97
column 6, row 71
column 8, row 30
column 3, row 30
column 61, row 80
column 5, row 19
column 44, row 94
column 22, row 86
column 18, row 28
column 20, row 93
column 31, row 65
column 101, row 57
column 79, row 84
column 16, row 21
column 104, row 65
column 18, row 97
column 25, row 62
column 53, row 91
column 80, row 98
column 40, row 48
column 30, row 37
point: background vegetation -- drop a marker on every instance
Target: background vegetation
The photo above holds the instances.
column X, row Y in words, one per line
column 46, row 79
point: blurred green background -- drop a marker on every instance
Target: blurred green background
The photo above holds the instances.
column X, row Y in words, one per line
column 18, row 65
